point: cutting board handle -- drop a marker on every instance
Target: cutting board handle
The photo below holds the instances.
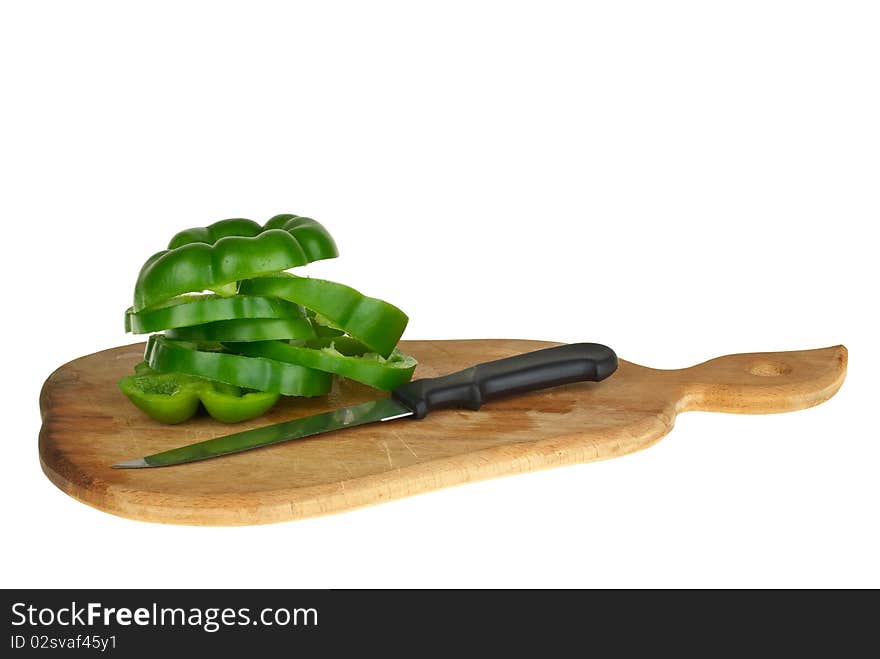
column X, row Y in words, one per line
column 762, row 382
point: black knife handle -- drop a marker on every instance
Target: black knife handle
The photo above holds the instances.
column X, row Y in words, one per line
column 470, row 388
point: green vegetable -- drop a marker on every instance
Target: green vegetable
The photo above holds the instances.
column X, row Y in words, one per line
column 234, row 250
column 261, row 332
column 342, row 356
column 254, row 329
column 314, row 239
column 229, row 404
column 174, row 397
column 375, row 323
column 189, row 310
column 169, row 398
column 167, row 356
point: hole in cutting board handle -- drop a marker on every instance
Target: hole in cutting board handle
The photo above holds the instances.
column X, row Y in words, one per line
column 769, row 369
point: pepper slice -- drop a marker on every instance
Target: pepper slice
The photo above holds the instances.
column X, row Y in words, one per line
column 165, row 355
column 310, row 234
column 341, row 355
column 230, row 404
column 255, row 329
column 175, row 397
column 235, row 249
column 169, row 397
column 188, row 310
column 375, row 323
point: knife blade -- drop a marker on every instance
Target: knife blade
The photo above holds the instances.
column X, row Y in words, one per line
column 469, row 388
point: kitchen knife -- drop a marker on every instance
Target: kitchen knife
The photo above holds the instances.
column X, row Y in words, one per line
column 549, row 367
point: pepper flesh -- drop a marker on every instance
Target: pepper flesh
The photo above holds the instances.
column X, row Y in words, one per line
column 252, row 329
column 310, row 234
column 229, row 404
column 169, row 398
column 375, row 323
column 189, row 310
column 340, row 355
column 175, row 397
column 233, row 253
column 165, row 355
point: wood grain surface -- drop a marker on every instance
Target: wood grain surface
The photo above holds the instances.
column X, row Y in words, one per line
column 89, row 425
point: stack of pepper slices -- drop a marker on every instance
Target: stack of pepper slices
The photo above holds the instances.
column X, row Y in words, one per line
column 238, row 332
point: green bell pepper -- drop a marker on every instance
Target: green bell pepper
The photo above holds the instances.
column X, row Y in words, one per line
column 310, row 234
column 263, row 332
column 255, row 329
column 169, row 398
column 188, row 310
column 235, row 250
column 175, row 397
column 340, row 355
column 375, row 323
column 230, row 404
column 205, row 361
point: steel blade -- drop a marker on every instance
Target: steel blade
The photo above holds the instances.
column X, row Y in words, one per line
column 345, row 417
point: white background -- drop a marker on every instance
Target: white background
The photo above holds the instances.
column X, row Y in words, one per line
column 680, row 180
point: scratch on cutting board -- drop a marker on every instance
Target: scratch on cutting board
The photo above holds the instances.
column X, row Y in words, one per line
column 439, row 348
column 345, row 466
column 400, row 439
column 388, row 453
column 129, row 431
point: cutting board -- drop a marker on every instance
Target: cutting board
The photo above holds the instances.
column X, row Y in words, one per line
column 89, row 425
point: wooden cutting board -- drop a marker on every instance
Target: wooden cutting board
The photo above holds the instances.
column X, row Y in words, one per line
column 89, row 425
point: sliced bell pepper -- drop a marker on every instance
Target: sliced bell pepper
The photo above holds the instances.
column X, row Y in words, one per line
column 230, row 404
column 188, row 310
column 175, row 397
column 255, row 329
column 340, row 355
column 206, row 361
column 375, row 323
column 169, row 398
column 232, row 253
column 311, row 235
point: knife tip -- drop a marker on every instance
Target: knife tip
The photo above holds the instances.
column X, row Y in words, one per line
column 137, row 463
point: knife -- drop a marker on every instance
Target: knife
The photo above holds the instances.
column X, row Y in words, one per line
column 470, row 388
